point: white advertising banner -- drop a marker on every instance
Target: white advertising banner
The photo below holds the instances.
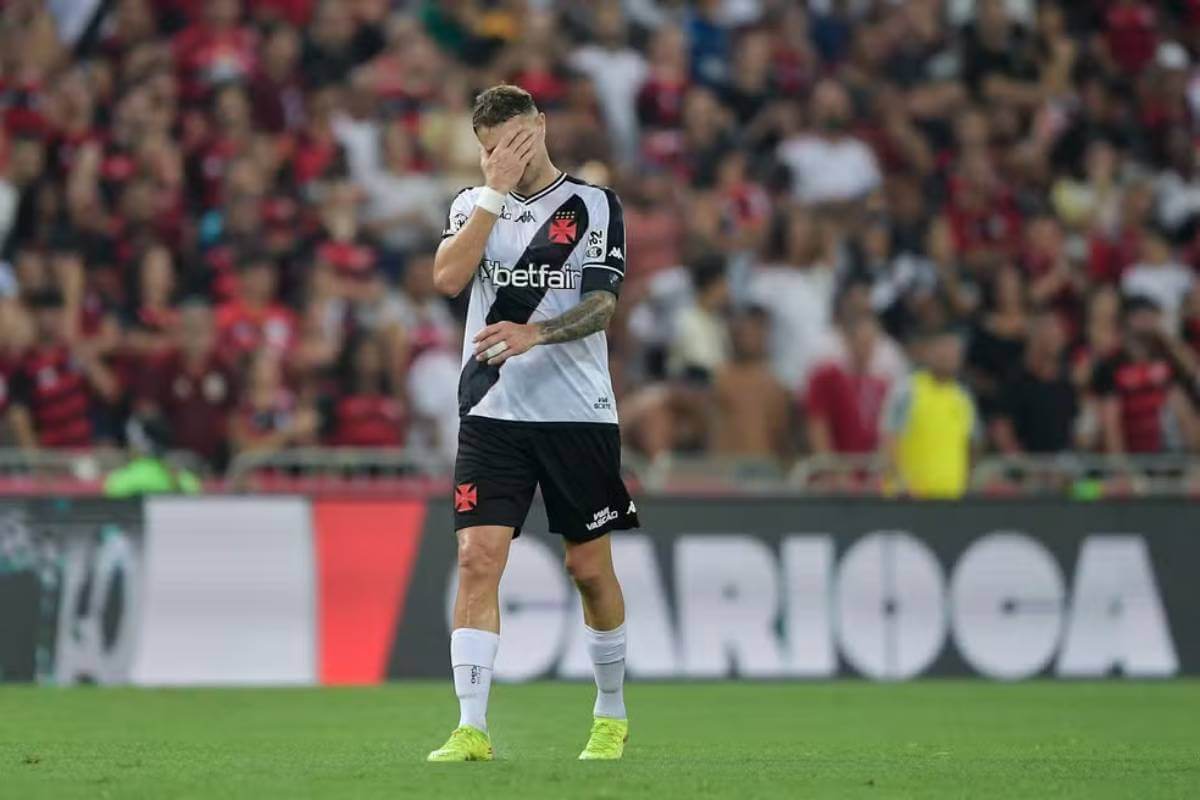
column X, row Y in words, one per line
column 228, row 596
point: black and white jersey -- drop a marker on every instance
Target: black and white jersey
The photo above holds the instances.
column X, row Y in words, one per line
column 544, row 253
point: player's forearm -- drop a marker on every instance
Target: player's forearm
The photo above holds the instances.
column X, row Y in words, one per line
column 590, row 315
column 458, row 256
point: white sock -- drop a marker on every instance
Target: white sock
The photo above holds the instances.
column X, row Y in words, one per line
column 472, row 655
column 607, row 650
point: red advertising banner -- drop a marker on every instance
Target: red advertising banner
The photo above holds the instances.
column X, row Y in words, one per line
column 365, row 554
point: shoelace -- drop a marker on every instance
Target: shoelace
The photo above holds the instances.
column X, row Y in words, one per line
column 608, row 734
column 459, row 733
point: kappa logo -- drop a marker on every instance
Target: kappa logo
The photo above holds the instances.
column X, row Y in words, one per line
column 616, row 253
column 601, row 517
column 563, row 229
column 526, row 216
column 466, row 497
column 632, row 508
column 457, row 221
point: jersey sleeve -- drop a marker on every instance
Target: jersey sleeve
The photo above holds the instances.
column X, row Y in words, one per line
column 604, row 246
column 460, row 211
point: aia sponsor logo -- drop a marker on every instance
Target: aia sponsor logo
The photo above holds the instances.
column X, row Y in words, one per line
column 466, row 497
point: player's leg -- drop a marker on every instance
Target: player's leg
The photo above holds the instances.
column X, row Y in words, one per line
column 494, row 484
column 580, row 476
column 482, row 554
column 475, row 638
column 590, row 567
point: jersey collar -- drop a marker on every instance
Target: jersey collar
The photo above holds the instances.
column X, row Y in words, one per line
column 554, row 184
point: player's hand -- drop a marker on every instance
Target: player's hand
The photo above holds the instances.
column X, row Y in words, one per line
column 500, row 341
column 504, row 166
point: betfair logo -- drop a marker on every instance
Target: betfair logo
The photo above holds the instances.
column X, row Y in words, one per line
column 530, row 276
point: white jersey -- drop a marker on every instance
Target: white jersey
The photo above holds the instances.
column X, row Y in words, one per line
column 543, row 254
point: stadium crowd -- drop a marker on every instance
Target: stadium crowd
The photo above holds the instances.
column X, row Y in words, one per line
column 221, row 214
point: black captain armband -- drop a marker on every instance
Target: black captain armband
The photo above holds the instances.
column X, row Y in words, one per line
column 599, row 277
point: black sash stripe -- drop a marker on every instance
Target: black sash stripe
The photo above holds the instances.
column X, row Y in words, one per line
column 514, row 304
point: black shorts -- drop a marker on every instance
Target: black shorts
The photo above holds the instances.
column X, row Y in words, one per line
column 577, row 464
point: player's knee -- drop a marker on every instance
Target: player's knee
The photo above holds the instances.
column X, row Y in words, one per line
column 479, row 562
column 586, row 569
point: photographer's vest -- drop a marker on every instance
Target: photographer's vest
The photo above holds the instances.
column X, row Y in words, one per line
column 935, row 444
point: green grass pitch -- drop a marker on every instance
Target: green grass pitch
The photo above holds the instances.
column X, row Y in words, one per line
column 744, row 741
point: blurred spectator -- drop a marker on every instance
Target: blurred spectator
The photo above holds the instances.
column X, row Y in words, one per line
column 844, row 398
column 930, row 423
column 828, row 164
column 365, row 411
column 1158, row 276
column 270, row 416
column 700, row 344
column 59, row 385
column 254, row 318
column 193, row 387
column 151, row 314
column 1144, row 405
column 617, row 71
column 1036, row 407
column 753, row 416
column 798, row 294
column 403, row 208
column 998, row 339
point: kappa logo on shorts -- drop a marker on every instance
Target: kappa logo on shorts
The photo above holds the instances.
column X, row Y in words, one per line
column 465, row 497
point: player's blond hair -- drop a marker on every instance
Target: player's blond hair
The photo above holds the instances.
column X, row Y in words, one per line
column 497, row 105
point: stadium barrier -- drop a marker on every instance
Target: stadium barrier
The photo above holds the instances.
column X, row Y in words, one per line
column 289, row 590
column 419, row 472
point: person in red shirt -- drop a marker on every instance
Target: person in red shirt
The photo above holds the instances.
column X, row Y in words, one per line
column 844, row 398
column 1144, row 407
column 277, row 89
column 660, row 100
column 365, row 411
column 55, row 387
column 982, row 211
column 255, row 318
column 270, row 416
column 191, row 388
column 1131, row 33
column 216, row 49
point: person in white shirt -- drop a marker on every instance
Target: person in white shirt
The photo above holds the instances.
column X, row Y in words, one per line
column 1160, row 277
column 798, row 294
column 403, row 206
column 828, row 164
column 618, row 72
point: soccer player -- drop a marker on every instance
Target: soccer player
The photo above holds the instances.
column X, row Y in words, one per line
column 544, row 255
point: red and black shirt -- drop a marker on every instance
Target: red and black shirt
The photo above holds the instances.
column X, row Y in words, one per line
column 51, row 384
column 1141, row 388
column 195, row 401
column 367, row 420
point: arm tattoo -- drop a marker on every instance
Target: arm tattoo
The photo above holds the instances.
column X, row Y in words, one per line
column 591, row 315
